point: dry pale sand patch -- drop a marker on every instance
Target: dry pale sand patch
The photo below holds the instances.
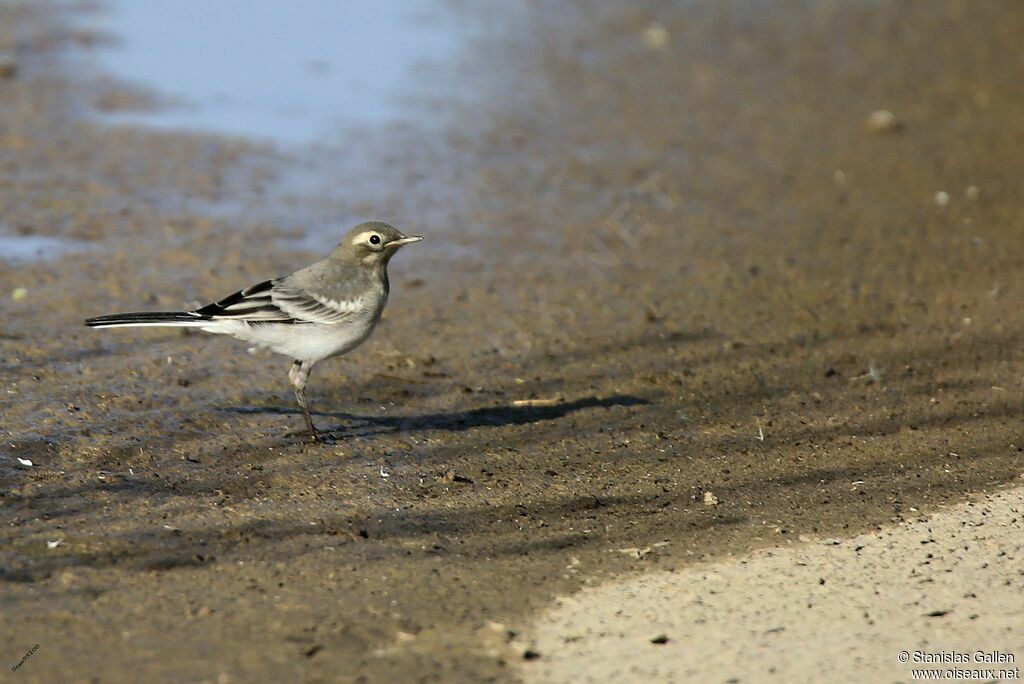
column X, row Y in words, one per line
column 828, row 610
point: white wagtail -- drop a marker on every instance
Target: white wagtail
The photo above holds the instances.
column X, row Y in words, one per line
column 323, row 310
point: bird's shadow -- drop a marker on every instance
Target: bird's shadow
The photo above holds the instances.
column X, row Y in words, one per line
column 452, row 421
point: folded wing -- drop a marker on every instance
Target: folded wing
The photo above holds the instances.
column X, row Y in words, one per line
column 272, row 302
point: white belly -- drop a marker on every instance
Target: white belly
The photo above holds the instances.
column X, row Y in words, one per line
column 303, row 341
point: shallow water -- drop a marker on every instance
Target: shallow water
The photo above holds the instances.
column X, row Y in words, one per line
column 24, row 248
column 299, row 72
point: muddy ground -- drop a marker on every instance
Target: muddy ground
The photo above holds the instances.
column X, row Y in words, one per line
column 688, row 244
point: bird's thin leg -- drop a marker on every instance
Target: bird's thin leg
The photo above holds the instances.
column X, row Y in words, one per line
column 299, row 374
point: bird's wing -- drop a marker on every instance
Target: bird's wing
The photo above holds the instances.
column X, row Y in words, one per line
column 308, row 307
column 270, row 301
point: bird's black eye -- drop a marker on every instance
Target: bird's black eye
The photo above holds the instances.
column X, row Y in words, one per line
column 375, row 239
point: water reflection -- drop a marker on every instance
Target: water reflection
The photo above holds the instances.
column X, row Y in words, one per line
column 295, row 72
column 23, row 248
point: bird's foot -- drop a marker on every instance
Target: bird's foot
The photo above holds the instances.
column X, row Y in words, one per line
column 316, row 437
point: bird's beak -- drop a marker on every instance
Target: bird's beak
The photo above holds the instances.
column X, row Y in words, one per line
column 406, row 240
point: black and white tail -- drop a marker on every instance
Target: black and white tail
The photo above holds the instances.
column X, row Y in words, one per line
column 186, row 319
column 253, row 304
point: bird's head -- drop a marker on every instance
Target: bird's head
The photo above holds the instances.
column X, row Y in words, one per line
column 372, row 243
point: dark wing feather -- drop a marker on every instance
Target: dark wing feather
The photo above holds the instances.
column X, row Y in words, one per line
column 251, row 304
column 269, row 301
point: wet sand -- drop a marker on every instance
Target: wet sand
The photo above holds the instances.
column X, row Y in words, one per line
column 688, row 245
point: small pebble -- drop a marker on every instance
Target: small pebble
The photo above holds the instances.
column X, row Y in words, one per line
column 660, row 639
column 8, row 67
column 883, row 121
column 941, row 198
column 710, row 499
column 655, row 36
column 19, row 294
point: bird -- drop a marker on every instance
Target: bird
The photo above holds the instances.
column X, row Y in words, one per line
column 324, row 310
